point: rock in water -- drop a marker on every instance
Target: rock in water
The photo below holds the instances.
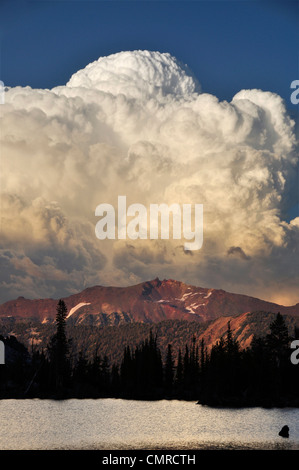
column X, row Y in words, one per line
column 284, row 432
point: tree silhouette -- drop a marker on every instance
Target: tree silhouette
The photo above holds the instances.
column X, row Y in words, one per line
column 260, row 375
column 179, row 376
column 169, row 368
column 278, row 340
column 59, row 350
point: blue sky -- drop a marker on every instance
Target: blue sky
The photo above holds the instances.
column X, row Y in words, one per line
column 229, row 45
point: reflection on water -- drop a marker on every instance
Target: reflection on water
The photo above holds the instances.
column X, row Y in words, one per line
column 118, row 424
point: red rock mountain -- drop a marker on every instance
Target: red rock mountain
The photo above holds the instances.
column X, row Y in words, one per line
column 148, row 302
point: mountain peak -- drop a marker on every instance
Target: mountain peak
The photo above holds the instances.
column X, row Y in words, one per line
column 148, row 302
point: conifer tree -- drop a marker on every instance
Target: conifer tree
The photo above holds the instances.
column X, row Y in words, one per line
column 278, row 339
column 59, row 349
column 169, row 368
column 202, row 355
column 179, row 370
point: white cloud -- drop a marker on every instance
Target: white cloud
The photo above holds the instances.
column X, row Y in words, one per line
column 141, row 75
column 136, row 124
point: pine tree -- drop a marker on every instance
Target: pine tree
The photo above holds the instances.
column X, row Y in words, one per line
column 127, row 371
column 231, row 345
column 277, row 342
column 95, row 370
column 202, row 356
column 169, row 368
column 115, row 380
column 179, row 370
column 105, row 373
column 59, row 349
column 278, row 339
column 80, row 373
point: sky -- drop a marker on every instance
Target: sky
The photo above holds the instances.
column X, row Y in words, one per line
column 225, row 43
column 184, row 102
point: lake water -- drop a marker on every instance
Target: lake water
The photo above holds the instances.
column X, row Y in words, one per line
column 111, row 424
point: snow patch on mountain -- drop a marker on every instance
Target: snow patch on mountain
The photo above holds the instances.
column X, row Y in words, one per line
column 208, row 295
column 74, row 309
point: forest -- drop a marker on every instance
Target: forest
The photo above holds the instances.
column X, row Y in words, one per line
column 225, row 375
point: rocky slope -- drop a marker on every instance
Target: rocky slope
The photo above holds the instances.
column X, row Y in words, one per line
column 149, row 302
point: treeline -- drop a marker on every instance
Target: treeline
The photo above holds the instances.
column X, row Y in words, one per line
column 106, row 340
column 261, row 375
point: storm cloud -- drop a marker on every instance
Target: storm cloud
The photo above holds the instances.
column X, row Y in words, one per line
column 137, row 124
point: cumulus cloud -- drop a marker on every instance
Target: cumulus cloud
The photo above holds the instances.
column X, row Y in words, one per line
column 141, row 74
column 137, row 124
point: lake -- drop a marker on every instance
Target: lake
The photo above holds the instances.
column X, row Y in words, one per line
column 111, row 424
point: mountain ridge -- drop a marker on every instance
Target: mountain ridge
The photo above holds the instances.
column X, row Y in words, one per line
column 147, row 302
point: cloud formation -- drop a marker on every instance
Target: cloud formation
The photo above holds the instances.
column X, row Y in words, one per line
column 237, row 251
column 136, row 124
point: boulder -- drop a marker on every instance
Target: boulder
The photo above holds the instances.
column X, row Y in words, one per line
column 284, row 432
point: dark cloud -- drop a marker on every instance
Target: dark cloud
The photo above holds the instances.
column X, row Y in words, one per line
column 237, row 251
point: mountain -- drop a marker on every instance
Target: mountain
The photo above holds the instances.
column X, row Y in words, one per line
column 149, row 302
